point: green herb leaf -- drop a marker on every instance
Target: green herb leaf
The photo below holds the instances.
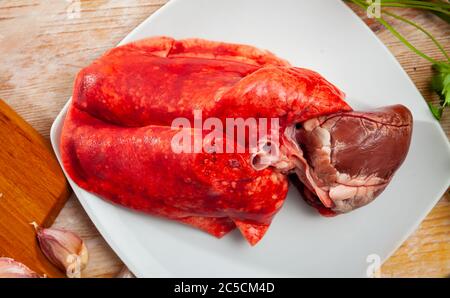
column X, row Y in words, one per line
column 436, row 111
column 441, row 82
column 441, row 85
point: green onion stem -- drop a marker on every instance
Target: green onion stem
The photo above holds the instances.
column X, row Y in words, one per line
column 443, row 11
column 441, row 48
column 421, row 3
column 396, row 33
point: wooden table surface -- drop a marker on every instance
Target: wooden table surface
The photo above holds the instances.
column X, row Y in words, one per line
column 43, row 44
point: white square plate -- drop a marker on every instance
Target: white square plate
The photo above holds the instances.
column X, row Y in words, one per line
column 328, row 37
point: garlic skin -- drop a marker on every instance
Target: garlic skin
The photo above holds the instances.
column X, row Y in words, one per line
column 64, row 249
column 125, row 273
column 9, row 268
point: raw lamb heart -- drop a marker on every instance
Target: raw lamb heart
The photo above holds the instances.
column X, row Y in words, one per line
column 350, row 157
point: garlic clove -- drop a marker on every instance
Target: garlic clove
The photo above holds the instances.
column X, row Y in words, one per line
column 9, row 268
column 125, row 273
column 64, row 249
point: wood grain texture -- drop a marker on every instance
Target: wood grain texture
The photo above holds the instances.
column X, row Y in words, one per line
column 43, row 45
column 32, row 189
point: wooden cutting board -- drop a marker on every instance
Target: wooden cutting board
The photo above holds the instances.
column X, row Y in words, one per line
column 32, row 188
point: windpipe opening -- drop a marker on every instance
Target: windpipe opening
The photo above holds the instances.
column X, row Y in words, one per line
column 267, row 154
column 281, row 155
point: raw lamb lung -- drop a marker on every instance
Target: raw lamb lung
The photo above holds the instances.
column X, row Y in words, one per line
column 116, row 138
